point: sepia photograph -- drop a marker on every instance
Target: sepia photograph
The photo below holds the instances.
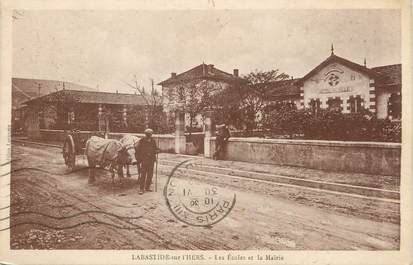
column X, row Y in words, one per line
column 205, row 130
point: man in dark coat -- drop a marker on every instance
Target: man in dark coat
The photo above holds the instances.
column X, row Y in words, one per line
column 221, row 141
column 145, row 152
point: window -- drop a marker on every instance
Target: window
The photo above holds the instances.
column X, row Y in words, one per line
column 356, row 104
column 334, row 104
column 395, row 107
column 315, row 105
column 70, row 117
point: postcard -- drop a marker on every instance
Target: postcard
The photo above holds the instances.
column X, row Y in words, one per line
column 206, row 132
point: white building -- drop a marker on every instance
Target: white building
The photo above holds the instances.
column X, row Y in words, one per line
column 340, row 84
column 201, row 77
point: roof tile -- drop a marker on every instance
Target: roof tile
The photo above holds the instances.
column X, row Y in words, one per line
column 96, row 97
column 389, row 74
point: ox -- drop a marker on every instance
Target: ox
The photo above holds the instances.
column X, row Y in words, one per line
column 106, row 153
column 129, row 142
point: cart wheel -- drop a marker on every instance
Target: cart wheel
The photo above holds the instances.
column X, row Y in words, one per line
column 69, row 153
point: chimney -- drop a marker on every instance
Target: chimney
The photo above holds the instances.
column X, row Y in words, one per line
column 236, row 72
column 210, row 68
column 173, row 75
column 117, row 92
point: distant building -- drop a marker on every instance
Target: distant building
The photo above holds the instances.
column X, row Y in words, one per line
column 24, row 89
column 201, row 75
column 85, row 110
column 338, row 83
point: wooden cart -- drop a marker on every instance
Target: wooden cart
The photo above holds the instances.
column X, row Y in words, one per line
column 74, row 144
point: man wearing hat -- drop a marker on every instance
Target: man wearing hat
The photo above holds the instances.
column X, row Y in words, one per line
column 221, row 141
column 145, row 152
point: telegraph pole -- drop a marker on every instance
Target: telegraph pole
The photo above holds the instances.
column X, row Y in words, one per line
column 152, row 85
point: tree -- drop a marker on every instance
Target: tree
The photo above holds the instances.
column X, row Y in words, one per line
column 244, row 104
column 62, row 103
column 226, row 106
column 286, row 119
column 254, row 95
column 153, row 113
column 193, row 97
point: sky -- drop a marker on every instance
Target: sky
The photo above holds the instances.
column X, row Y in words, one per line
column 106, row 49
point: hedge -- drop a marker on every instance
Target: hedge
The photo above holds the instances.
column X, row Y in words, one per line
column 331, row 125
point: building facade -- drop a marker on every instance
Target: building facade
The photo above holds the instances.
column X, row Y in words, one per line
column 180, row 89
column 340, row 84
column 86, row 110
column 24, row 89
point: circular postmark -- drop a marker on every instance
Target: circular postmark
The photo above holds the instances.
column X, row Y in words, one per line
column 196, row 203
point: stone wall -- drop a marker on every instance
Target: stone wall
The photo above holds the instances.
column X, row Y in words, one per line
column 165, row 142
column 352, row 157
column 355, row 157
column 52, row 135
column 197, row 138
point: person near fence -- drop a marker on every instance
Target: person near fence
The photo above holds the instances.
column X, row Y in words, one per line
column 221, row 141
column 145, row 152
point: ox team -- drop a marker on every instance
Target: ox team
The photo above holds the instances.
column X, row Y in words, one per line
column 117, row 154
column 145, row 152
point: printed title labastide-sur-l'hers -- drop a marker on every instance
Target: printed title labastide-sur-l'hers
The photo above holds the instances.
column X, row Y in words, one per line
column 194, row 257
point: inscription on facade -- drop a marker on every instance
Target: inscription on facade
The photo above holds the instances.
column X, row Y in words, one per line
column 336, row 90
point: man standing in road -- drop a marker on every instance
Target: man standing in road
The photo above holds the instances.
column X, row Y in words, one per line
column 145, row 152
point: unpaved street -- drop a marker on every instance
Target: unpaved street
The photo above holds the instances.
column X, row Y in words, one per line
column 54, row 208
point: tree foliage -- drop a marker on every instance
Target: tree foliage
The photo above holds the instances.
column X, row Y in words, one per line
column 193, row 97
column 60, row 105
column 243, row 104
column 285, row 119
column 151, row 115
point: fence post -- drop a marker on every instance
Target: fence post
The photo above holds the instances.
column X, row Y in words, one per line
column 180, row 140
column 100, row 119
column 209, row 131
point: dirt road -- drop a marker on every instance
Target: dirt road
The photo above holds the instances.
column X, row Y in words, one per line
column 53, row 208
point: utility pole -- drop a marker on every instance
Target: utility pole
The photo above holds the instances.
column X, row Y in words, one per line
column 153, row 89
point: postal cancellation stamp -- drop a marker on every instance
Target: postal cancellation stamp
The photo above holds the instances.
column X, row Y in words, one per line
column 194, row 203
